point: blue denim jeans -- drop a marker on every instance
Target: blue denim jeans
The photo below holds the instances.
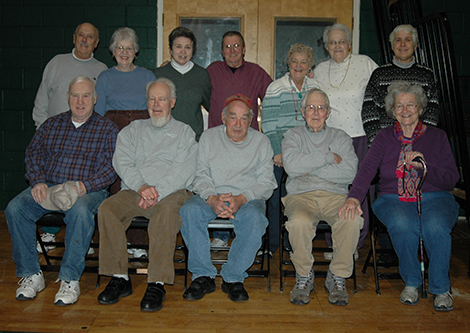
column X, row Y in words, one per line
column 22, row 213
column 439, row 215
column 250, row 225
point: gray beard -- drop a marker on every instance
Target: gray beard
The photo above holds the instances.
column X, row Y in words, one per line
column 159, row 122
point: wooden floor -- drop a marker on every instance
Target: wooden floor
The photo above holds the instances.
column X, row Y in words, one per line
column 264, row 312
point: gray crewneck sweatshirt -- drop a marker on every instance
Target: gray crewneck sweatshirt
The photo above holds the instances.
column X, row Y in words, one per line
column 224, row 166
column 309, row 161
column 163, row 157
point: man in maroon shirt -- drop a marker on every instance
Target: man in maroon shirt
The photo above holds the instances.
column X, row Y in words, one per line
column 234, row 75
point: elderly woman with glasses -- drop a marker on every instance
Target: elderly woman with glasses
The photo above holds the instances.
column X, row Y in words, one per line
column 392, row 153
column 121, row 98
column 281, row 111
column 122, row 87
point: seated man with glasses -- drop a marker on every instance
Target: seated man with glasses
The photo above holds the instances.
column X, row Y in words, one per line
column 320, row 163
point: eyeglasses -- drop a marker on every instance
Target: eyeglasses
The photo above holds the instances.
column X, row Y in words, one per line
column 409, row 107
column 235, row 46
column 341, row 42
column 129, row 49
column 312, row 108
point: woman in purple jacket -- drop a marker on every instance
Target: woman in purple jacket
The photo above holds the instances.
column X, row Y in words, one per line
column 392, row 153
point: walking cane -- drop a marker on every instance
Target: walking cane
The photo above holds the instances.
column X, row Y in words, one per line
column 419, row 159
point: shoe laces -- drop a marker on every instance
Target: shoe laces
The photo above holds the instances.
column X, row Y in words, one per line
column 446, row 294
column 301, row 281
column 26, row 281
column 65, row 286
column 340, row 283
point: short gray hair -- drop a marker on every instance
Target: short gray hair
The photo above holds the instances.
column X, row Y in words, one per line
column 313, row 91
column 336, row 26
column 400, row 87
column 407, row 28
column 82, row 78
column 164, row 80
column 124, row 33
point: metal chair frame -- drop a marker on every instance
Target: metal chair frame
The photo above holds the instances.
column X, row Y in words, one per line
column 226, row 224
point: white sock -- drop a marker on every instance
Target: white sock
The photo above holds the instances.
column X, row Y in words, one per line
column 122, row 276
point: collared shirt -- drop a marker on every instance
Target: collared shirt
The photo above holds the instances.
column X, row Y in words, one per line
column 60, row 152
column 250, row 80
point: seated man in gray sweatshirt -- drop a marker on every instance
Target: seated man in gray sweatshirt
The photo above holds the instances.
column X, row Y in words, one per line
column 156, row 161
column 320, row 163
column 234, row 178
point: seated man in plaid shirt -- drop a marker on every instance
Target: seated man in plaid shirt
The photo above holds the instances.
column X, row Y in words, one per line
column 76, row 145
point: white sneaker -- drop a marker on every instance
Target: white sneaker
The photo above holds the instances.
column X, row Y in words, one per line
column 217, row 242
column 90, row 250
column 30, row 286
column 329, row 255
column 137, row 253
column 140, row 253
column 68, row 293
column 46, row 238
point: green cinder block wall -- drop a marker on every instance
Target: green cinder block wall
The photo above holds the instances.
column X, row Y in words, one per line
column 33, row 31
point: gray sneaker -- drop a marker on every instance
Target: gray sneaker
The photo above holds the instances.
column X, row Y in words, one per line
column 443, row 302
column 300, row 295
column 336, row 287
column 409, row 296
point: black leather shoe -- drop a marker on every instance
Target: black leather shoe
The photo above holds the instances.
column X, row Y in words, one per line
column 199, row 287
column 236, row 291
column 116, row 288
column 153, row 298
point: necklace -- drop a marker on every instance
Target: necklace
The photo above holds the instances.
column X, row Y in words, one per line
column 344, row 77
column 299, row 93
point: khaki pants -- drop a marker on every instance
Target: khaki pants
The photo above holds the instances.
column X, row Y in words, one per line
column 114, row 217
column 304, row 211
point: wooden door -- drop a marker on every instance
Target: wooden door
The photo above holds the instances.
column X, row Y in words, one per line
column 257, row 19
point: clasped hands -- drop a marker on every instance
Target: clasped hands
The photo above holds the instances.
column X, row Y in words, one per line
column 226, row 204
column 148, row 196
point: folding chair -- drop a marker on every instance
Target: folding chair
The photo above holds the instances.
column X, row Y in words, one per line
column 56, row 219
column 322, row 228
column 140, row 222
column 263, row 271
